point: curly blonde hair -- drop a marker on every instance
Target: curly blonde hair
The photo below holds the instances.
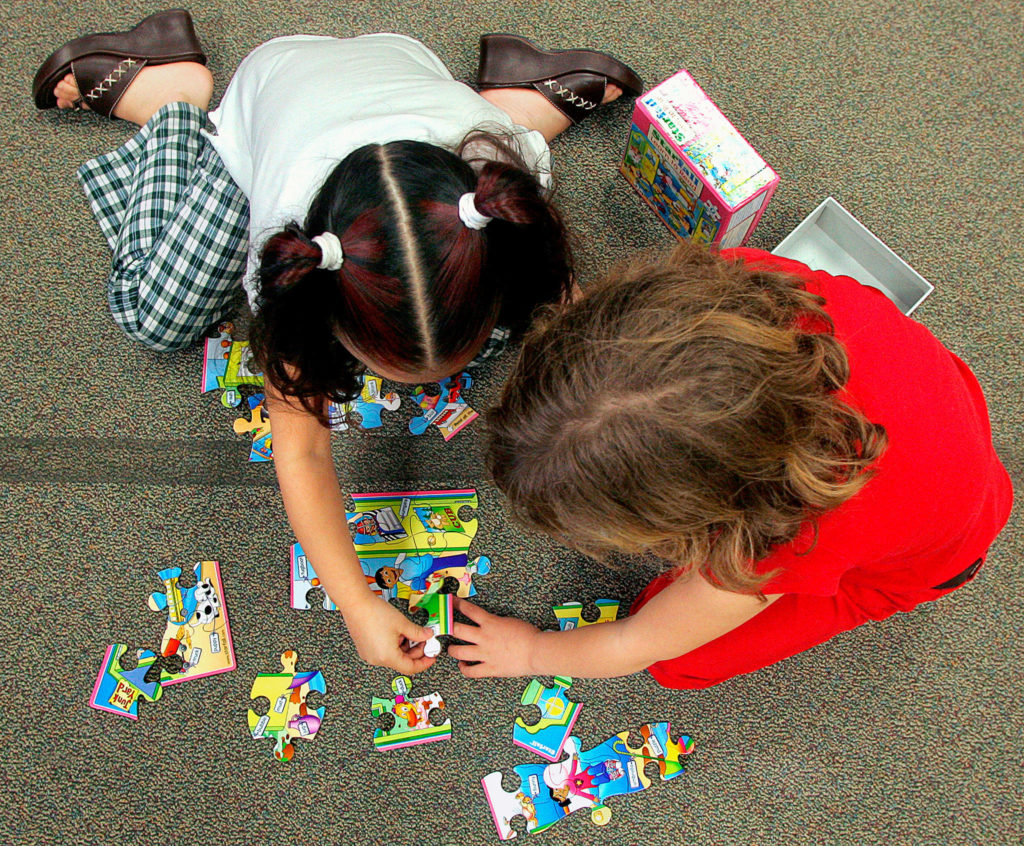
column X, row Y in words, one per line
column 686, row 406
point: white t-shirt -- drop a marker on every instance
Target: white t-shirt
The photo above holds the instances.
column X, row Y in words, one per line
column 298, row 105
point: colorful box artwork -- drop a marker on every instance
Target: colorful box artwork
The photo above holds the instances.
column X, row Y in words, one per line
column 693, row 168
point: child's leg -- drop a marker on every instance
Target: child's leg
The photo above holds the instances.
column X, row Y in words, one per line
column 175, row 221
column 791, row 625
column 177, row 225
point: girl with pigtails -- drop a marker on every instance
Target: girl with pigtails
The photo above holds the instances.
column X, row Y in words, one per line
column 380, row 214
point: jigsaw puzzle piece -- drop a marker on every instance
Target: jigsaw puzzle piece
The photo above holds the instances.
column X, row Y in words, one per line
column 558, row 713
column 547, row 793
column 414, row 522
column 570, row 614
column 197, row 628
column 215, row 357
column 371, row 402
column 118, row 690
column 440, row 617
column 288, row 716
column 258, row 426
column 656, row 745
column 304, row 580
column 411, row 715
column 449, row 410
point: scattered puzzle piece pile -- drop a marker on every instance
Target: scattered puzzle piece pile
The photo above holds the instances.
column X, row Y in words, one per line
column 288, row 717
column 584, row 780
column 196, row 642
column 558, row 713
column 449, row 411
column 411, row 716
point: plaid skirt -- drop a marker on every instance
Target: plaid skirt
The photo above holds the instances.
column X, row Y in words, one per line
column 178, row 226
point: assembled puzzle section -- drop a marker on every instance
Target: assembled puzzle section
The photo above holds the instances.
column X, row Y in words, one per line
column 288, row 716
column 406, row 721
column 570, row 614
column 448, row 411
column 693, row 168
column 584, row 780
column 400, row 576
column 558, row 714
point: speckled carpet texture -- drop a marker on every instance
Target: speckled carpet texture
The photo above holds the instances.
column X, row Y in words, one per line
column 113, row 466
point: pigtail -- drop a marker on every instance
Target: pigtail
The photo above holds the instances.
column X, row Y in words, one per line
column 528, row 254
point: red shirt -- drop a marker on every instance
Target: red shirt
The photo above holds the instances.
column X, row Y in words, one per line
column 940, row 494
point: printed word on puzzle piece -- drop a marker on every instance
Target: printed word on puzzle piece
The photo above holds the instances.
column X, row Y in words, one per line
column 410, row 716
column 197, row 628
column 558, row 713
column 258, row 426
column 584, row 780
column 117, row 690
column 288, row 716
column 570, row 614
column 368, row 405
column 227, row 366
column 449, row 410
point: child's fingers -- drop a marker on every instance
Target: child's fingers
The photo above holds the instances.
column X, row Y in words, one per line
column 473, row 671
column 471, row 634
column 464, row 652
column 468, row 609
column 411, row 666
column 415, row 633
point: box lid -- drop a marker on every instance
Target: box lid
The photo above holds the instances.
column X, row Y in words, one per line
column 696, row 126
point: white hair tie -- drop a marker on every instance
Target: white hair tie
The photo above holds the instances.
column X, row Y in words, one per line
column 331, row 255
column 469, row 214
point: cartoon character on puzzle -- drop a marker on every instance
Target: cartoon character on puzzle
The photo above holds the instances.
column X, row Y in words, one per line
column 227, row 364
column 369, row 405
column 257, row 426
column 288, row 716
column 410, row 716
column 412, row 522
column 196, row 627
column 449, row 410
column 584, row 779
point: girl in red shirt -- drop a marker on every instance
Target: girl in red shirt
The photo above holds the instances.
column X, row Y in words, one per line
column 804, row 457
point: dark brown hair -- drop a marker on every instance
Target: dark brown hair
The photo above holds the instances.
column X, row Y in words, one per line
column 686, row 406
column 417, row 288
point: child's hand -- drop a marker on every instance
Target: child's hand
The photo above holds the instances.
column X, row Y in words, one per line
column 382, row 635
column 499, row 646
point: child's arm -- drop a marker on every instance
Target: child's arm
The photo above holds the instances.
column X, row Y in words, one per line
column 316, row 510
column 685, row 615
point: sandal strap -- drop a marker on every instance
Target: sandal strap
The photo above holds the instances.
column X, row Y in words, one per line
column 102, row 80
column 575, row 95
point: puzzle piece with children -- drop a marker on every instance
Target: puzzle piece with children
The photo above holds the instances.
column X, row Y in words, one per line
column 288, row 716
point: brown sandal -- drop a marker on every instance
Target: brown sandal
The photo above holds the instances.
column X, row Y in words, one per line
column 104, row 64
column 574, row 81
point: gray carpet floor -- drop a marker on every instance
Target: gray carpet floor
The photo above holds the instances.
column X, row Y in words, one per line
column 112, row 466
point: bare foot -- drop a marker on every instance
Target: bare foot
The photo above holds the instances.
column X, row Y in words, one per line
column 529, row 108
column 154, row 87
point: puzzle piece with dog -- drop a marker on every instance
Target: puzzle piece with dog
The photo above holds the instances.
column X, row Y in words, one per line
column 583, row 780
column 570, row 614
column 449, row 410
column 409, row 718
column 197, row 627
column 369, row 405
column 288, row 716
column 558, row 713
